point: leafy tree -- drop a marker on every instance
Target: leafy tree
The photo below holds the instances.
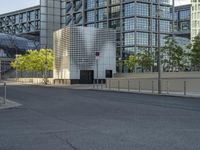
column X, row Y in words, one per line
column 145, row 59
column 131, row 62
column 34, row 60
column 195, row 53
column 19, row 63
column 172, row 55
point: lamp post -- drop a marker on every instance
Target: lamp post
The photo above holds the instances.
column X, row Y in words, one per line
column 173, row 13
column 17, row 63
column 97, row 63
column 120, row 64
column 0, row 70
column 158, row 61
column 46, row 66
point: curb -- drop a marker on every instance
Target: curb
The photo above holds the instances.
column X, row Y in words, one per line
column 152, row 94
column 9, row 104
column 116, row 91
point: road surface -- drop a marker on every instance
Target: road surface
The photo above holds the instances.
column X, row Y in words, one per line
column 70, row 119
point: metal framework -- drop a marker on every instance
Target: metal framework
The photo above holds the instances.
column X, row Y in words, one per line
column 22, row 21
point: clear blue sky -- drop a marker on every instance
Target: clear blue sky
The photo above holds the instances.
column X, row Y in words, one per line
column 12, row 5
column 182, row 2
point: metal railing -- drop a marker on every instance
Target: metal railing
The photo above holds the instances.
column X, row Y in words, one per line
column 168, row 86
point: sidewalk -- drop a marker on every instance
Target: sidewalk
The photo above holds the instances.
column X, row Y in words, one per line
column 150, row 92
column 104, row 88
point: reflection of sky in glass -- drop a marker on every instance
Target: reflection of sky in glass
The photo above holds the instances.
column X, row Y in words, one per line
column 8, row 41
column 181, row 2
column 2, row 53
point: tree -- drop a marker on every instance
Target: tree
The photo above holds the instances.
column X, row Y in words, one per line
column 172, row 55
column 131, row 62
column 19, row 63
column 34, row 61
column 145, row 59
column 195, row 53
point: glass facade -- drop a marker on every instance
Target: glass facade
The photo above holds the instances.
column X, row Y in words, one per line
column 182, row 20
column 20, row 31
column 195, row 18
column 12, row 45
column 135, row 21
column 22, row 21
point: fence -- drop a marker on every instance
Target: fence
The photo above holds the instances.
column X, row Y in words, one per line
column 168, row 86
column 31, row 80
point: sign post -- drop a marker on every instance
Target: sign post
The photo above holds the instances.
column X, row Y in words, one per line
column 97, row 54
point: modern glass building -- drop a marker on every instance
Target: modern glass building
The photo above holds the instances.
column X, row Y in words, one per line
column 182, row 21
column 195, row 18
column 136, row 21
column 10, row 45
column 22, row 22
column 19, row 31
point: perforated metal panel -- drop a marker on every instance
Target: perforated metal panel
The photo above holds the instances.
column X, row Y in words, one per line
column 75, row 48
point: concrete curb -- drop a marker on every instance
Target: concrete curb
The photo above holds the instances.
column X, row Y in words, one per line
column 131, row 92
column 152, row 94
column 81, row 87
column 9, row 104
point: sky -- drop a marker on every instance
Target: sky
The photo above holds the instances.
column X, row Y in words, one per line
column 12, row 5
column 182, row 2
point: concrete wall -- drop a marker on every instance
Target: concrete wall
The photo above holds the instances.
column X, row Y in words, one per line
column 173, row 85
column 171, row 82
column 164, row 75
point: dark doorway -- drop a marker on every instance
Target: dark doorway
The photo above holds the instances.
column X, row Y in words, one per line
column 86, row 76
column 108, row 73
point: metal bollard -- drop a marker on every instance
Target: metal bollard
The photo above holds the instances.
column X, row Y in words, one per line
column 93, row 84
column 118, row 85
column 139, row 88
column 167, row 87
column 152, row 87
column 109, row 84
column 101, row 84
column 185, row 88
column 4, row 100
column 128, row 85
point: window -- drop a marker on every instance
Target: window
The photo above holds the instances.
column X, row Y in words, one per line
column 129, row 24
column 142, row 39
column 90, row 16
column 128, row 9
column 115, row 11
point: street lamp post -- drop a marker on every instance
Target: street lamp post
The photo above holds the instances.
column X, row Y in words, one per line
column 46, row 67
column 158, row 61
column 16, row 76
column 0, row 70
column 97, row 63
column 173, row 13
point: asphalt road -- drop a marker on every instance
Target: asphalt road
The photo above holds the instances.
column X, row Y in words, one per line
column 64, row 119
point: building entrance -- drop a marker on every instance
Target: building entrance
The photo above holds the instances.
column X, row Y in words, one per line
column 86, row 76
